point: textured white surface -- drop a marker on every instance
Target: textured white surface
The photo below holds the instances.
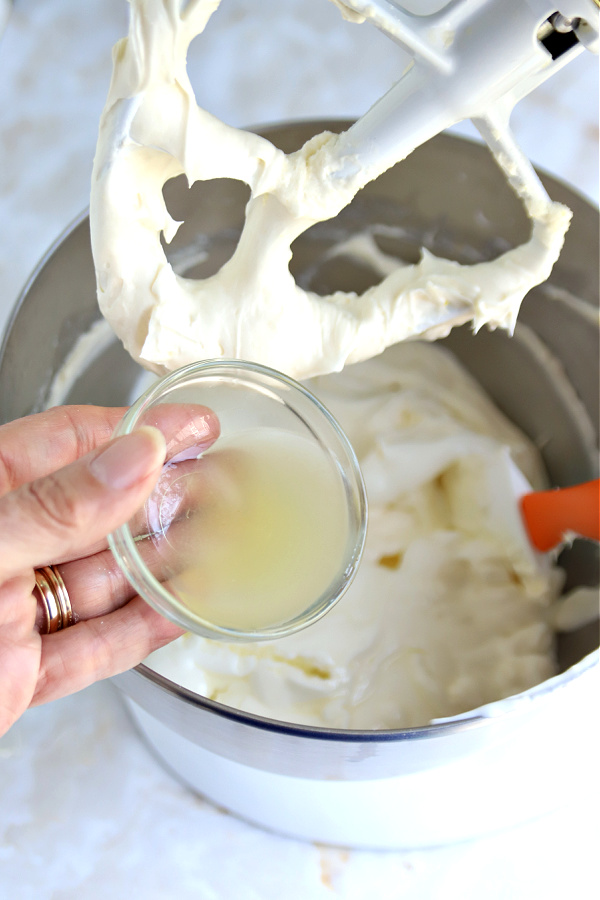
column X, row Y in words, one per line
column 85, row 811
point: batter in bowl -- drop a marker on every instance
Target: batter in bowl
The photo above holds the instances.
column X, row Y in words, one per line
column 450, row 609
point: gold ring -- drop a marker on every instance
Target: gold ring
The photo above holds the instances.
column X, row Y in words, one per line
column 51, row 591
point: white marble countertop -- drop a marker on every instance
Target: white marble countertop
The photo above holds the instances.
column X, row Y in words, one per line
column 85, row 811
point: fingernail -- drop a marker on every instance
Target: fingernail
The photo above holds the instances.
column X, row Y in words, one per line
column 196, row 435
column 130, row 459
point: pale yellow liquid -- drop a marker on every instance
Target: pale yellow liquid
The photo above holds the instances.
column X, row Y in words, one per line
column 267, row 531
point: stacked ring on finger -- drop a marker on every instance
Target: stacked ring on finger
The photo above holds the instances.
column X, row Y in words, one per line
column 51, row 591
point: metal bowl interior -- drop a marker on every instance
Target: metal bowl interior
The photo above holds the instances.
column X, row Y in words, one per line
column 448, row 196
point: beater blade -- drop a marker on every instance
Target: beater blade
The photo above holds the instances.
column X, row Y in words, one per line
column 471, row 59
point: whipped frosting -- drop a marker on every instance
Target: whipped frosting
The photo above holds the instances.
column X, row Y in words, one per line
column 451, row 608
column 152, row 130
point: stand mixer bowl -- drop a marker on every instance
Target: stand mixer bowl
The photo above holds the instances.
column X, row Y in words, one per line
column 439, row 783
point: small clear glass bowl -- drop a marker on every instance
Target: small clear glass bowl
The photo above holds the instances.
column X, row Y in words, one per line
column 258, row 535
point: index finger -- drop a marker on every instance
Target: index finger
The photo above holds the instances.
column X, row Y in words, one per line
column 41, row 443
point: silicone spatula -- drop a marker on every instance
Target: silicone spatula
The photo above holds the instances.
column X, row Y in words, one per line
column 550, row 515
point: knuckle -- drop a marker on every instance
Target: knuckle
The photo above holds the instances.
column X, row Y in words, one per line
column 114, row 585
column 55, row 502
column 82, row 436
column 8, row 473
column 103, row 656
column 42, row 687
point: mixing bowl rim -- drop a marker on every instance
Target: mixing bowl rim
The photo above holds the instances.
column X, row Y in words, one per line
column 264, row 130
column 463, row 721
column 339, row 124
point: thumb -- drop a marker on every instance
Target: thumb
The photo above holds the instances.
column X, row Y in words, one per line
column 56, row 516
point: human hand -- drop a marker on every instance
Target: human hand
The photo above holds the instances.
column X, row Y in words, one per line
column 63, row 489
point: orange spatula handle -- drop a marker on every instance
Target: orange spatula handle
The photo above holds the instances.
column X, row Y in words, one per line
column 549, row 515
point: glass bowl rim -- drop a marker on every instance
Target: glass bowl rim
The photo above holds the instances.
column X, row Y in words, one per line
column 122, row 542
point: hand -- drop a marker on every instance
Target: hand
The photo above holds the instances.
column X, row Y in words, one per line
column 63, row 489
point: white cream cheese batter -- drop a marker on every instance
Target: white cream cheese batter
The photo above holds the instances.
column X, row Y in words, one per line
column 152, row 129
column 450, row 608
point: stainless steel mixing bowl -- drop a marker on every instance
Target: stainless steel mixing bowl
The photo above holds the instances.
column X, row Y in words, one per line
column 418, row 786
